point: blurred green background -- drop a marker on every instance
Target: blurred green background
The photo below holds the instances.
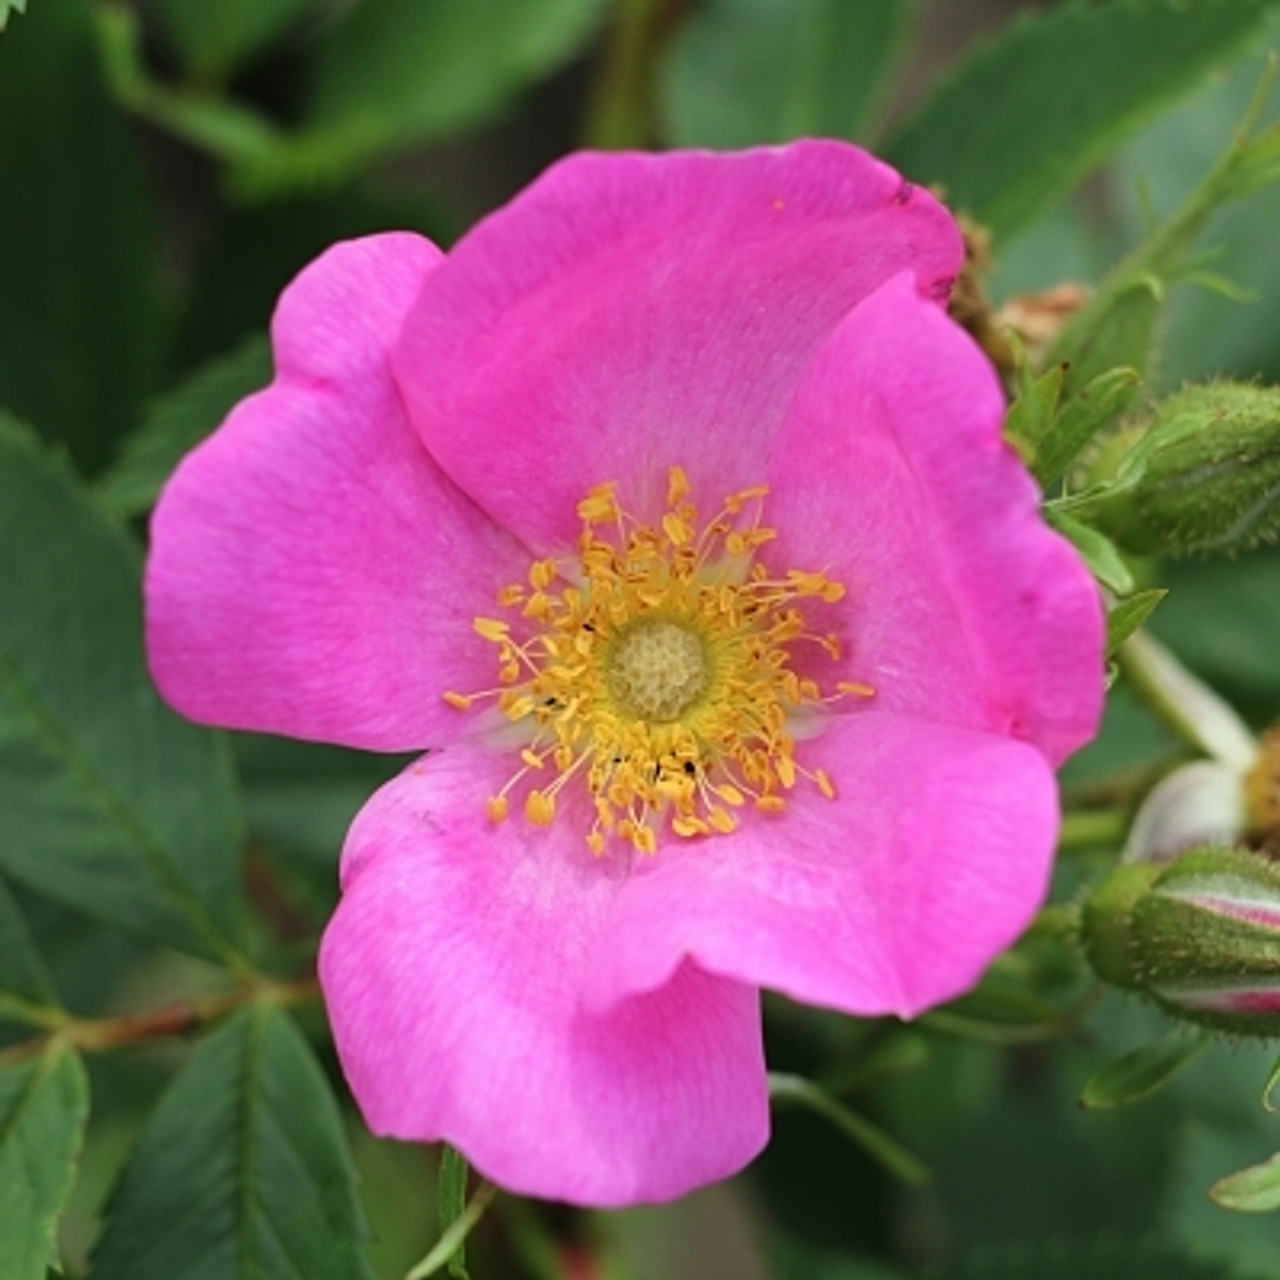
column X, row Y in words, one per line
column 169, row 165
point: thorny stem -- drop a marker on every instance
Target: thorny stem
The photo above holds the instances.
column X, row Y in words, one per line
column 182, row 1017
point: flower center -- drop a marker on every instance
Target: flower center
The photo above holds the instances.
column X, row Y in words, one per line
column 656, row 669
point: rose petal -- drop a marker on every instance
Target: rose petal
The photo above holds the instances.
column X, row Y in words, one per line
column 453, row 972
column 890, row 472
column 631, row 312
column 312, row 570
column 892, row 897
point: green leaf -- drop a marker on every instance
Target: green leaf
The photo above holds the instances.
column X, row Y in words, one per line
column 1103, row 1259
column 10, row 6
column 79, row 300
column 226, row 129
column 390, row 75
column 1021, row 122
column 457, row 1218
column 1031, row 413
column 1273, row 1078
column 744, row 72
column 1127, row 616
column 23, row 975
column 215, row 36
column 451, row 1201
column 1080, row 418
column 300, row 797
column 44, row 1105
column 447, row 1251
column 177, row 422
column 1118, row 325
column 242, row 1171
column 1140, row 1073
column 1099, row 553
column 1252, row 1190
column 870, row 1137
column 108, row 801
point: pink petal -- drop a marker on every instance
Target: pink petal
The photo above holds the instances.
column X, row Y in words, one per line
column 891, row 474
column 893, row 897
column 312, row 571
column 453, row 972
column 629, row 312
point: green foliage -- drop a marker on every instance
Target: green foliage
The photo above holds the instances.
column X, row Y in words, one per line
column 10, row 6
column 215, row 36
column 242, row 1171
column 1223, row 621
column 78, row 251
column 1106, row 1258
column 1130, row 614
column 451, row 1203
column 111, row 805
column 1035, row 407
column 1207, row 477
column 391, row 74
column 743, row 72
column 870, row 1137
column 24, row 979
column 1022, row 121
column 255, row 251
column 1097, row 550
column 177, row 422
column 1082, row 416
column 219, row 125
column 44, row 1104
column 299, row 799
column 1119, row 324
column 794, row 1261
column 1142, row 1071
column 1252, row 1190
column 110, row 802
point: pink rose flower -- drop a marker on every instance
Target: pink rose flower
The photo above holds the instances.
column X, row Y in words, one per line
column 671, row 513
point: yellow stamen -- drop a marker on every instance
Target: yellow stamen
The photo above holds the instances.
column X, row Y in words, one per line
column 662, row 679
column 540, row 808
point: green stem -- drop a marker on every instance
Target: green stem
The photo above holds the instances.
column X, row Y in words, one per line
column 870, row 1137
column 48, row 1016
column 1092, row 829
column 456, row 1235
column 620, row 110
column 1183, row 702
column 1249, row 162
column 1059, row 922
column 101, row 1035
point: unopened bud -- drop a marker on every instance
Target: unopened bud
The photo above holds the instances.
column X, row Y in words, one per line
column 1201, row 803
column 1200, row 937
column 1210, row 477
